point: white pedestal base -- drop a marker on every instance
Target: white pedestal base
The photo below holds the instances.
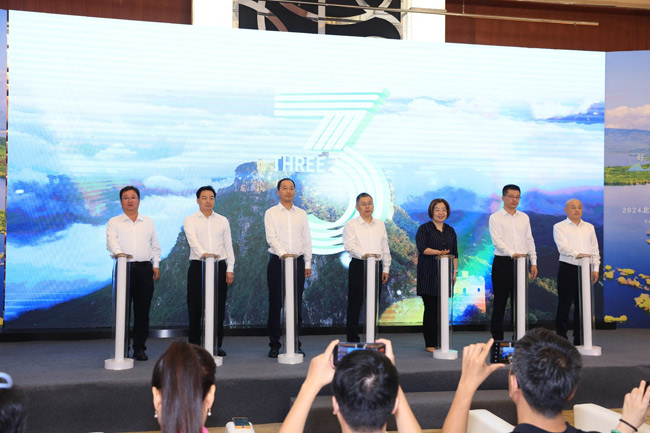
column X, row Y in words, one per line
column 218, row 360
column 114, row 364
column 450, row 354
column 293, row 358
column 590, row 351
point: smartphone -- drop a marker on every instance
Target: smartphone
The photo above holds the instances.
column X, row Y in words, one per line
column 343, row 349
column 241, row 422
column 502, row 352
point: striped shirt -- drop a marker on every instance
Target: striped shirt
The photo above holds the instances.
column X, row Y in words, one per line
column 428, row 236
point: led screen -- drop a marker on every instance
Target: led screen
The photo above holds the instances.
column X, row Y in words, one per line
column 98, row 104
column 627, row 188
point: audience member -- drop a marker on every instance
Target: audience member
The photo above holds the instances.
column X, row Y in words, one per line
column 366, row 391
column 13, row 411
column 543, row 377
column 183, row 386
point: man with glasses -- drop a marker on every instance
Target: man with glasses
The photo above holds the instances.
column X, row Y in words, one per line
column 363, row 237
column 512, row 238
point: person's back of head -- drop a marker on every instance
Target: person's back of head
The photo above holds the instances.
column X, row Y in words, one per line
column 13, row 410
column 547, row 369
column 365, row 387
column 183, row 386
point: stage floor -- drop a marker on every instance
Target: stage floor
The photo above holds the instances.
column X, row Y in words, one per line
column 67, row 384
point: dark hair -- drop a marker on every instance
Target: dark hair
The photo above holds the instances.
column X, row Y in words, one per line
column 184, row 374
column 129, row 188
column 510, row 186
column 365, row 387
column 205, row 188
column 547, row 368
column 433, row 204
column 283, row 179
column 13, row 410
column 362, row 195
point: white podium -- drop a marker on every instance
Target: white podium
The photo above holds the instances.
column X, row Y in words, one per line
column 210, row 297
column 519, row 299
column 445, row 274
column 121, row 305
column 585, row 297
column 371, row 278
column 290, row 312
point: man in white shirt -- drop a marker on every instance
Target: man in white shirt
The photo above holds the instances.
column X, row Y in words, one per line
column 287, row 233
column 208, row 234
column 575, row 239
column 363, row 237
column 512, row 238
column 135, row 235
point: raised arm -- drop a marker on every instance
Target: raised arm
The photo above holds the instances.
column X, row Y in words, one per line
column 321, row 372
column 635, row 409
column 404, row 417
column 474, row 372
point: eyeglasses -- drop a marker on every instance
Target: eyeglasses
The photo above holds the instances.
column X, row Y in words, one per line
column 513, row 197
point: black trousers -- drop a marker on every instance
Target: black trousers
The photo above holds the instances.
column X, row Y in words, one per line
column 141, row 290
column 356, row 296
column 567, row 294
column 276, row 296
column 195, row 306
column 431, row 320
column 503, row 284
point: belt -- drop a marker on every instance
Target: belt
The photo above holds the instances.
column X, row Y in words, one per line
column 279, row 258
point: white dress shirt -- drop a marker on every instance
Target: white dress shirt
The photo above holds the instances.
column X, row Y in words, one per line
column 287, row 232
column 572, row 239
column 360, row 238
column 136, row 238
column 209, row 235
column 511, row 235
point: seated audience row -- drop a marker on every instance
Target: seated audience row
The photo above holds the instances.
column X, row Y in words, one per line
column 544, row 375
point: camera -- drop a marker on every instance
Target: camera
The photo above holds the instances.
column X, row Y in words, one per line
column 502, row 352
column 343, row 349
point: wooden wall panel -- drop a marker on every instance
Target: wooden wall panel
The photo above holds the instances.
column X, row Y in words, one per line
column 619, row 29
column 168, row 11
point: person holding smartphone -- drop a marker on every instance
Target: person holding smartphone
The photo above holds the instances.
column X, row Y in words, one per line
column 434, row 238
column 351, row 405
column 544, row 375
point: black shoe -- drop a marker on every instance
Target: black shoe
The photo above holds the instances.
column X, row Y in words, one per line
column 139, row 355
column 221, row 352
column 300, row 352
column 274, row 352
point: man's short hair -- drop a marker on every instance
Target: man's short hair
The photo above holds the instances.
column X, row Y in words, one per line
column 547, row 368
column 205, row 188
column 365, row 386
column 130, row 188
column 283, row 179
column 433, row 204
column 510, row 186
column 362, row 195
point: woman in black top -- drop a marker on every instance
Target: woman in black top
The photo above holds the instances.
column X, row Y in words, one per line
column 432, row 239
